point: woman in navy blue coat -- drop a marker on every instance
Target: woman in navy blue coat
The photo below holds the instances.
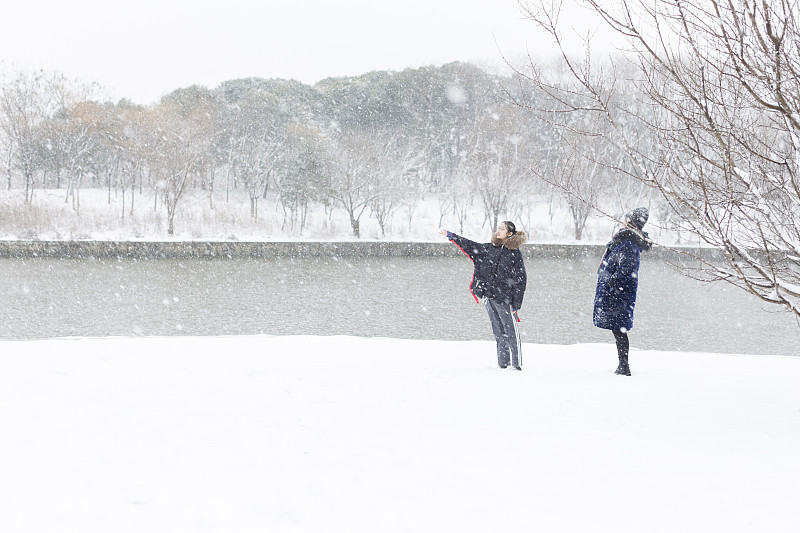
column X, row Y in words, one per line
column 617, row 282
column 500, row 278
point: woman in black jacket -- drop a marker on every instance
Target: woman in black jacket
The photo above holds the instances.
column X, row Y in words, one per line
column 500, row 278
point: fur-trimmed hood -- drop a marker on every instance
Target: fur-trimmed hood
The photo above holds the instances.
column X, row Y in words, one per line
column 513, row 242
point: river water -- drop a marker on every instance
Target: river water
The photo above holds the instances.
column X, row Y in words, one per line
column 396, row 297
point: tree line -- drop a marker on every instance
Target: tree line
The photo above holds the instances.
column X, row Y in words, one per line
column 367, row 145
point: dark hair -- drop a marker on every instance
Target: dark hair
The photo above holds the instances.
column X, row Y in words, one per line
column 512, row 229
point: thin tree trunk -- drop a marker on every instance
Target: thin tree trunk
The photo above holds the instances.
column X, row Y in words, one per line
column 356, row 225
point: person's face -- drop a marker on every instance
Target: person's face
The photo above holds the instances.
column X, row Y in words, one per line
column 502, row 232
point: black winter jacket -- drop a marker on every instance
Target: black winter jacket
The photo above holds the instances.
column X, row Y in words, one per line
column 499, row 270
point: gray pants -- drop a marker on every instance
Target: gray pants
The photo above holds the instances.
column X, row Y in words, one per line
column 506, row 332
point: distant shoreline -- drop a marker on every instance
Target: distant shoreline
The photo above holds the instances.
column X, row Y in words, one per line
column 21, row 249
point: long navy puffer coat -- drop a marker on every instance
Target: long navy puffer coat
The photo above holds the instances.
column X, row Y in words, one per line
column 499, row 268
column 618, row 280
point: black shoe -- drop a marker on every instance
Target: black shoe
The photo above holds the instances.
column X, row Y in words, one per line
column 503, row 366
column 623, row 370
column 517, row 367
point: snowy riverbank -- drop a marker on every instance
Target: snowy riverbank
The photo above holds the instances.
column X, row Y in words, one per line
column 314, row 434
column 224, row 217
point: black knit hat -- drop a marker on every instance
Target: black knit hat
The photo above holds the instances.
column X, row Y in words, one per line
column 638, row 217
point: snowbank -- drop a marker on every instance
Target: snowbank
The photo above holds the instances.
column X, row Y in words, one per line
column 246, row 434
column 225, row 216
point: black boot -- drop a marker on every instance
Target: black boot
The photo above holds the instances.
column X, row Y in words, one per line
column 623, row 369
column 622, row 352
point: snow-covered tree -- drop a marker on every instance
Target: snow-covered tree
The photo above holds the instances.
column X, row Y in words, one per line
column 26, row 102
column 496, row 160
column 253, row 158
column 723, row 81
column 353, row 180
column 301, row 171
column 74, row 143
column 400, row 178
column 178, row 148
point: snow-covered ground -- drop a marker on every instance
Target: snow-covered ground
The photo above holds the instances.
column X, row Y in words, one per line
column 318, row 434
column 99, row 216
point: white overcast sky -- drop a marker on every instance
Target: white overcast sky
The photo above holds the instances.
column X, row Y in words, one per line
column 142, row 50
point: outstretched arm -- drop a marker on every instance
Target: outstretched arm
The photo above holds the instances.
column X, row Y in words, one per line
column 471, row 248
